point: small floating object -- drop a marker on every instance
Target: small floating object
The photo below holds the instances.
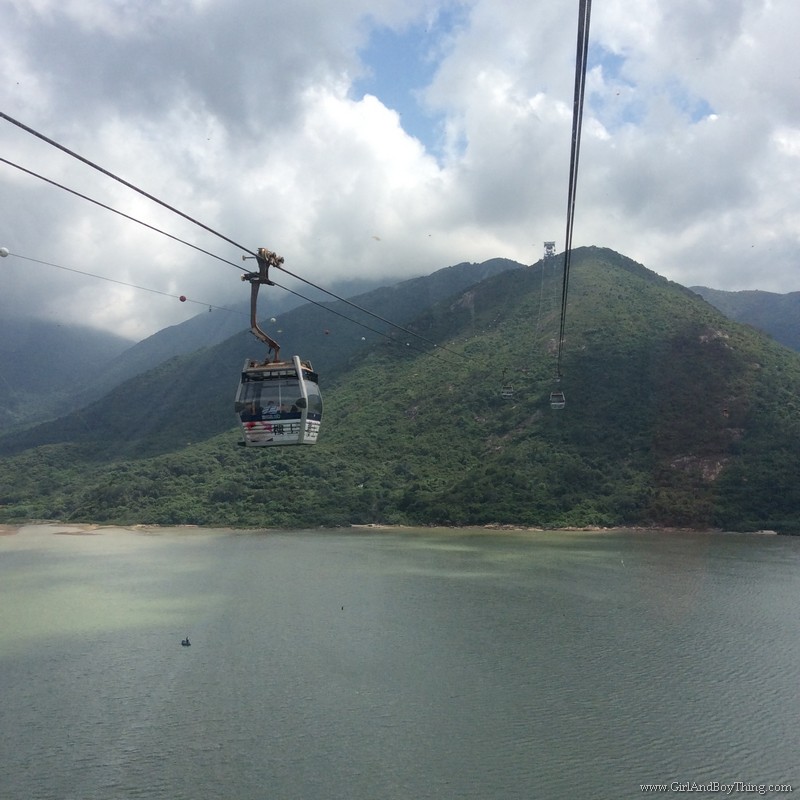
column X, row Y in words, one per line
column 185, row 642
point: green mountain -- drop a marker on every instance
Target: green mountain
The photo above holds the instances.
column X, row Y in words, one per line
column 675, row 415
column 775, row 314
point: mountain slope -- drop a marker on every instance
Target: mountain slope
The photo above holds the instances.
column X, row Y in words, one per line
column 675, row 415
column 775, row 314
column 190, row 397
column 201, row 331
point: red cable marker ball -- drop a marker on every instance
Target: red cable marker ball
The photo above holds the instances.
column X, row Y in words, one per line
column 182, row 298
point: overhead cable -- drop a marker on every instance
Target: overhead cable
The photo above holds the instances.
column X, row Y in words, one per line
column 182, row 298
column 584, row 14
column 91, row 164
column 121, row 214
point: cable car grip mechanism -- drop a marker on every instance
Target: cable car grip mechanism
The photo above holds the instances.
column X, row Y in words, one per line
column 266, row 259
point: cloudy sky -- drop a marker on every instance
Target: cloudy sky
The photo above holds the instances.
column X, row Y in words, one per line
column 387, row 139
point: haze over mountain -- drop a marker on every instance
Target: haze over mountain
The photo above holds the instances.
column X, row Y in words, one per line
column 675, row 415
column 43, row 366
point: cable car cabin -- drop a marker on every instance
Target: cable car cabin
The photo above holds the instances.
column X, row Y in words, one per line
column 507, row 392
column 279, row 403
column 557, row 400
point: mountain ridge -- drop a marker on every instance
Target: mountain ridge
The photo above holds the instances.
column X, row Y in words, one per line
column 775, row 314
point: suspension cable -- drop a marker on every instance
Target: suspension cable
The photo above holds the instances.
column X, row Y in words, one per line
column 123, row 283
column 91, row 164
column 120, row 213
column 584, row 14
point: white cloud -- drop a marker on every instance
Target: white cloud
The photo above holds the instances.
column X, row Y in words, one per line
column 242, row 114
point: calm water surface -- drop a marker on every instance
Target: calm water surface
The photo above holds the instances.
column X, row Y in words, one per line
column 371, row 665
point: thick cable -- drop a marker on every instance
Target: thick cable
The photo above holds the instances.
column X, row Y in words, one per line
column 111, row 175
column 584, row 15
column 120, row 213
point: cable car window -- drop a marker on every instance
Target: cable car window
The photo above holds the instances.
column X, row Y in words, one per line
column 314, row 400
column 272, row 399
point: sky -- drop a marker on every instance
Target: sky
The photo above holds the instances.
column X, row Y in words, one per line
column 386, row 139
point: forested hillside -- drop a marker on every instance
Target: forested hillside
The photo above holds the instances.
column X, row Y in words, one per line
column 775, row 314
column 44, row 365
column 674, row 416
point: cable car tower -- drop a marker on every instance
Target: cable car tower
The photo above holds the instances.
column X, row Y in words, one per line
column 277, row 402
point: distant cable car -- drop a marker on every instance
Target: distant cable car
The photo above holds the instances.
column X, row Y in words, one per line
column 277, row 402
column 557, row 400
column 507, row 390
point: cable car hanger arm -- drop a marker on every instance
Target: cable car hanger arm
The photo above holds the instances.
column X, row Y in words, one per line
column 266, row 259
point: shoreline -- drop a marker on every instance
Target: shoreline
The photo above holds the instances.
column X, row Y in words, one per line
column 93, row 529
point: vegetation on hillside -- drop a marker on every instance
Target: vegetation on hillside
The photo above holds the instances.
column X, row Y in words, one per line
column 675, row 416
column 775, row 314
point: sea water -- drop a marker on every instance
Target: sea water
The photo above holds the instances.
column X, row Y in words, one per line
column 380, row 664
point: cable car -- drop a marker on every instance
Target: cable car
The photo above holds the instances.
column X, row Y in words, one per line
column 557, row 400
column 507, row 388
column 277, row 402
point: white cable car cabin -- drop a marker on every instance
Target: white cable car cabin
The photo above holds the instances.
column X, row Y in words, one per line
column 557, row 400
column 507, row 392
column 277, row 402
